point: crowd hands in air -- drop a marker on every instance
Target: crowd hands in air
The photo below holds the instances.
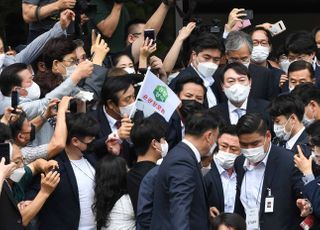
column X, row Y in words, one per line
column 240, row 151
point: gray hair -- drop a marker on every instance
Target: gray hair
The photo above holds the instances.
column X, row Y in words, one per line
column 236, row 39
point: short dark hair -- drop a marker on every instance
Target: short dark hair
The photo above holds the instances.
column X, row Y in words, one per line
column 5, row 133
column 9, row 78
column 238, row 67
column 267, row 32
column 207, row 41
column 81, row 125
column 231, row 220
column 228, row 129
column 115, row 58
column 16, row 125
column 201, row 121
column 301, row 65
column 307, row 92
column 131, row 23
column 113, row 85
column 286, row 105
column 300, row 42
column 252, row 123
column 56, row 49
column 144, row 131
column 313, row 131
column 181, row 81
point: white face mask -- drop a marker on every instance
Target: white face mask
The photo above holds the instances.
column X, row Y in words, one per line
column 130, row 70
column 237, row 93
column 225, row 159
column 33, row 91
column 260, row 53
column 307, row 121
column 126, row 109
column 69, row 71
column 207, row 69
column 281, row 132
column 17, row 174
column 2, row 56
column 164, row 149
column 254, row 155
column 284, row 65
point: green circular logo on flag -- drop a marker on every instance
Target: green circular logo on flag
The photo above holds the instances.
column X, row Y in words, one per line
column 160, row 93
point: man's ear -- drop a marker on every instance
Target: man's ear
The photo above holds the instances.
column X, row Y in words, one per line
column 41, row 66
column 131, row 38
column 20, row 137
column 55, row 64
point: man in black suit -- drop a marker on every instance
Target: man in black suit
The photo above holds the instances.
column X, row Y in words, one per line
column 221, row 180
column 237, row 83
column 70, row 205
column 117, row 101
column 191, row 92
column 206, row 53
column 180, row 200
column 239, row 47
column 287, row 114
column 268, row 182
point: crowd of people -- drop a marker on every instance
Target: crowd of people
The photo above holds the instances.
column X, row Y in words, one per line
column 241, row 151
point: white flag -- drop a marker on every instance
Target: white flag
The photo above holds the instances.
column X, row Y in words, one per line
column 154, row 95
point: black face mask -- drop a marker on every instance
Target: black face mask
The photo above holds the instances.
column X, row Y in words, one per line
column 190, row 107
column 32, row 133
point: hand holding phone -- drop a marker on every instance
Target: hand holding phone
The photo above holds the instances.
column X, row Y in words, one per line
column 249, row 14
column 150, row 33
column 277, row 28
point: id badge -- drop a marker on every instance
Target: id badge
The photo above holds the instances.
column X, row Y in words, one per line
column 269, row 204
column 252, row 219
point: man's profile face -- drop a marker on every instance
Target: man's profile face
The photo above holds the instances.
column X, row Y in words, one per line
column 206, row 55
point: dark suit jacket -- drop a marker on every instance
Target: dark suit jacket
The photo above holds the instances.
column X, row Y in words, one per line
column 262, row 83
column 9, row 212
column 174, row 132
column 214, row 188
column 189, row 71
column 105, row 129
column 312, row 192
column 62, row 209
column 302, row 140
column 284, row 180
column 180, row 200
column 253, row 106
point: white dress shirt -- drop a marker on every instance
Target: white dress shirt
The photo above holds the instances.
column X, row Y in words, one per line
column 112, row 122
column 232, row 111
column 183, row 130
column 211, row 98
column 290, row 143
column 229, row 185
column 194, row 149
column 252, row 183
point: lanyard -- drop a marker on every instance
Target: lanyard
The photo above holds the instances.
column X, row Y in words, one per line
column 90, row 177
column 259, row 191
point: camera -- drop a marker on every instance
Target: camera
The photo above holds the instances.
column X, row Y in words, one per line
column 214, row 27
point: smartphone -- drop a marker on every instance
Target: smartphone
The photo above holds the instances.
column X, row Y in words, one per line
column 249, row 14
column 241, row 25
column 5, row 152
column 150, row 33
column 14, row 100
column 277, row 28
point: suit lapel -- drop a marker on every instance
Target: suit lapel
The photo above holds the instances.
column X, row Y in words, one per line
column 105, row 128
column 70, row 174
column 251, row 106
column 218, row 183
column 271, row 169
column 7, row 190
column 225, row 111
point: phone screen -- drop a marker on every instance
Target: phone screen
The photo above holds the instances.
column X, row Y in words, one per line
column 150, row 33
column 14, row 99
column 249, row 14
column 5, row 152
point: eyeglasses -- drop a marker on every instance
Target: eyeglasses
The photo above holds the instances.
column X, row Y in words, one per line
column 262, row 43
column 71, row 61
